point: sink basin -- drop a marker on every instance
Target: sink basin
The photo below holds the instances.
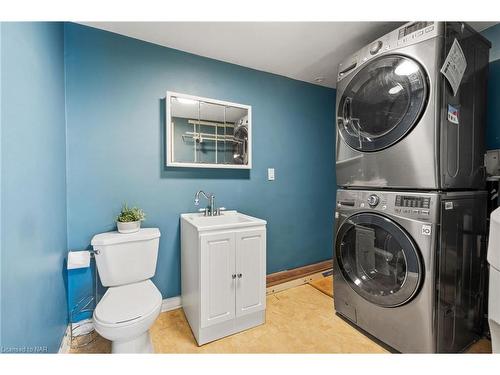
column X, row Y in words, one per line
column 226, row 220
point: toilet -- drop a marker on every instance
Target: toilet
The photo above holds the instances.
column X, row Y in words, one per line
column 494, row 285
column 131, row 304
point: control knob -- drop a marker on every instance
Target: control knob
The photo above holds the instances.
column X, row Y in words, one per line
column 375, row 47
column 373, row 200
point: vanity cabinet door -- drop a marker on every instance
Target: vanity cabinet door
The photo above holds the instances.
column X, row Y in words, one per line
column 217, row 278
column 250, row 271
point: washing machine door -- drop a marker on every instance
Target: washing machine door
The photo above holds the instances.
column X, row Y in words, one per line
column 378, row 259
column 382, row 103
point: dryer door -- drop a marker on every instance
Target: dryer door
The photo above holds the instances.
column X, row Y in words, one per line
column 378, row 259
column 382, row 103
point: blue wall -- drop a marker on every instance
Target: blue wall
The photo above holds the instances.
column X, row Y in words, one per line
column 33, row 186
column 493, row 34
column 493, row 116
column 115, row 142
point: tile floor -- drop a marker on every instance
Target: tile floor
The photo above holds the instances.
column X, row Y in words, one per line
column 299, row 320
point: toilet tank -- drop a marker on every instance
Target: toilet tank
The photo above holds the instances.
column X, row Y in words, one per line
column 126, row 258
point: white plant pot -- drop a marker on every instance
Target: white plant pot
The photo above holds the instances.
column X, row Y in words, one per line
column 129, row 227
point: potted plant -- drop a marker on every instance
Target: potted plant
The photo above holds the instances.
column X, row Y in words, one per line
column 129, row 220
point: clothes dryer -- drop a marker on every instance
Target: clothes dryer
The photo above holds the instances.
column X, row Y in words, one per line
column 399, row 122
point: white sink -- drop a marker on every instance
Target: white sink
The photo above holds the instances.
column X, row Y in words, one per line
column 226, row 220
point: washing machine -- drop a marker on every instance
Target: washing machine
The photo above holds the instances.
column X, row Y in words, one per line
column 399, row 122
column 409, row 267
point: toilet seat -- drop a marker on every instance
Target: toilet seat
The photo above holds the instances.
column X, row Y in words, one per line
column 128, row 304
column 126, row 313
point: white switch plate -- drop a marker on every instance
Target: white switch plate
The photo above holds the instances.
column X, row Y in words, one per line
column 270, row 174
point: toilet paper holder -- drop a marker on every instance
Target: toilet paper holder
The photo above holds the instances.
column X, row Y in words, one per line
column 83, row 333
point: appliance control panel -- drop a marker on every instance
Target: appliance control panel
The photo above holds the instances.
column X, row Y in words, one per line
column 412, row 205
column 414, row 29
column 408, row 34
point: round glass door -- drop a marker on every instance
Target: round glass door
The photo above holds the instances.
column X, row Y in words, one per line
column 378, row 259
column 382, row 103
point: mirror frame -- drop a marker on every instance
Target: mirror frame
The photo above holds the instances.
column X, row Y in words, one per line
column 170, row 139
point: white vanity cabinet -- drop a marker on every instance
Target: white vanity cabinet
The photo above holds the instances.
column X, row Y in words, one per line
column 223, row 273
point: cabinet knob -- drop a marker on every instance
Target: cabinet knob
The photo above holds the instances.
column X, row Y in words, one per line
column 233, row 276
column 239, row 275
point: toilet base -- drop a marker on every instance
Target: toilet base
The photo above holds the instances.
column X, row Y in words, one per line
column 139, row 344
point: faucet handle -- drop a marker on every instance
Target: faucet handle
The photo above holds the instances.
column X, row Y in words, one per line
column 220, row 209
column 204, row 210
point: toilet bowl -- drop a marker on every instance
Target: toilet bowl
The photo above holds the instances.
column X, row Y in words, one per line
column 128, row 309
column 125, row 314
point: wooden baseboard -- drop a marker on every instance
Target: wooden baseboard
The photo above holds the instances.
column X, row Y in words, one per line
column 295, row 282
column 297, row 273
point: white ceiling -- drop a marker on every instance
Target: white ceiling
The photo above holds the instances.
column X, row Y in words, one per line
column 298, row 50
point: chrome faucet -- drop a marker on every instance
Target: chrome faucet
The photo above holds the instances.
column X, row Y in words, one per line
column 210, row 210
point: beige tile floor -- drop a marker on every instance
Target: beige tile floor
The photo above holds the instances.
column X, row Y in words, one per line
column 298, row 320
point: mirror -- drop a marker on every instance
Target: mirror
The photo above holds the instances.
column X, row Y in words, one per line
column 207, row 133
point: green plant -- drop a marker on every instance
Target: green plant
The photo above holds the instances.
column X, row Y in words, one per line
column 130, row 214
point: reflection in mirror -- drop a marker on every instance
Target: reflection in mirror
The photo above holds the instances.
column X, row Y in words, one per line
column 210, row 133
column 183, row 113
column 207, row 133
column 239, row 145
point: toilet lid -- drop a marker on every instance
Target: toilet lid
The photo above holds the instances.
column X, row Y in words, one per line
column 124, row 303
column 113, row 238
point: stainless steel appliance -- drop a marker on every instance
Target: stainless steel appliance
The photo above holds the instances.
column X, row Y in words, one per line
column 409, row 267
column 399, row 125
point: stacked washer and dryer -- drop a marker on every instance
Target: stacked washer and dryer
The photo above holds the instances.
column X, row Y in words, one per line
column 409, row 253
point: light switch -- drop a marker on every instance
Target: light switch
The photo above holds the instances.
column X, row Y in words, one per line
column 270, row 174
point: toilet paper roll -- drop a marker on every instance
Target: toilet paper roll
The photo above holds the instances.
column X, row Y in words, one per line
column 78, row 259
